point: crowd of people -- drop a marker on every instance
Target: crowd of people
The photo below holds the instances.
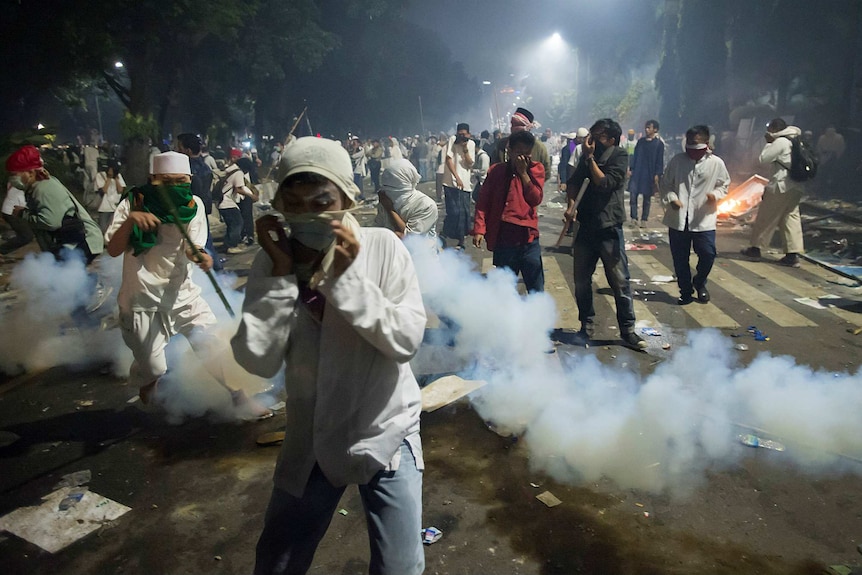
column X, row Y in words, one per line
column 322, row 286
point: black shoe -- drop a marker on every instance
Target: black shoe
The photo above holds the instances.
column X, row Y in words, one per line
column 751, row 252
column 703, row 295
column 790, row 260
column 684, row 299
column 634, row 341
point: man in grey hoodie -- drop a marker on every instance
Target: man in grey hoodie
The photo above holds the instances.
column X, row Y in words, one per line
column 780, row 205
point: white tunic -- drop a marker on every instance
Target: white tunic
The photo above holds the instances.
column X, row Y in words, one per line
column 351, row 395
column 160, row 279
column 689, row 182
column 111, row 198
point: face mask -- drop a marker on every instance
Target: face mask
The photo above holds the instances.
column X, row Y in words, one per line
column 16, row 182
column 600, row 149
column 313, row 230
column 460, row 139
column 696, row 151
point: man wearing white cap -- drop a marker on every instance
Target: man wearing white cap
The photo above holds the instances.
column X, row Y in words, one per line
column 158, row 298
column 339, row 307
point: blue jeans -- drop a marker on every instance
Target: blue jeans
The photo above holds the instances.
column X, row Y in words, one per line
column 607, row 245
column 357, row 179
column 294, row 526
column 680, row 246
column 525, row 260
column 233, row 226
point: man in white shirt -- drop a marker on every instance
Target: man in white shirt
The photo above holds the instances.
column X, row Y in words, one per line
column 458, row 163
column 339, row 307
column 16, row 198
column 158, row 298
column 691, row 187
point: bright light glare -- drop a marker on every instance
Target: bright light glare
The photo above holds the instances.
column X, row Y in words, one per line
column 486, row 83
column 555, row 37
column 118, row 64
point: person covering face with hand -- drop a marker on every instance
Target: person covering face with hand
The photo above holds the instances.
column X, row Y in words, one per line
column 158, row 298
column 506, row 217
column 339, row 307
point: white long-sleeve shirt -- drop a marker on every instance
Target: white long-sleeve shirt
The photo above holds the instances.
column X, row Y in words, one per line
column 689, row 182
column 160, row 279
column 351, row 395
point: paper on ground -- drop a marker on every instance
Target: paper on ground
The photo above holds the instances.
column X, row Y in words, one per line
column 815, row 303
column 447, row 389
column 548, row 499
column 51, row 529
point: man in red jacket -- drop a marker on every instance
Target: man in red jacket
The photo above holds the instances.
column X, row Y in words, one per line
column 506, row 215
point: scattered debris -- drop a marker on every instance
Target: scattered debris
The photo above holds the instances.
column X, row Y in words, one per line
column 536, row 485
column 758, row 335
column 72, row 499
column 646, row 514
column 754, row 441
column 639, row 504
column 84, row 402
column 548, row 499
column 631, row 247
column 133, row 399
column 856, row 331
column 431, row 535
column 75, row 479
column 217, row 557
column 651, row 331
column 343, row 512
column 53, row 530
column 271, row 438
column 446, row 390
column 661, row 279
column 665, row 345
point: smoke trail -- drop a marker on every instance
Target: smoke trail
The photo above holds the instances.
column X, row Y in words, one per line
column 582, row 420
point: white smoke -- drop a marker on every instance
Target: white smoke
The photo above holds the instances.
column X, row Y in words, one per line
column 582, row 420
column 48, row 328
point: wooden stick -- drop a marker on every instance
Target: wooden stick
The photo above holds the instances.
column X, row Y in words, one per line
column 568, row 220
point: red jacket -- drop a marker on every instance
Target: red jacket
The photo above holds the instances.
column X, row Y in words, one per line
column 502, row 198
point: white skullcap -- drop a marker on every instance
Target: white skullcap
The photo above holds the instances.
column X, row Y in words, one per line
column 582, row 132
column 171, row 163
column 319, row 156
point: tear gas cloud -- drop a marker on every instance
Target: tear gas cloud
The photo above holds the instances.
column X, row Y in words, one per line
column 49, row 329
column 582, row 420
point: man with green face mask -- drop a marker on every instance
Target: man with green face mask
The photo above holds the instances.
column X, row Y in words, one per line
column 339, row 307
column 158, row 298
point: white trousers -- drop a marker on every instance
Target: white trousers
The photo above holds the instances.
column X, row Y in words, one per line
column 147, row 333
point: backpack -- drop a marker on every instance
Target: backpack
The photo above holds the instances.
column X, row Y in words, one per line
column 218, row 188
column 803, row 160
column 202, row 178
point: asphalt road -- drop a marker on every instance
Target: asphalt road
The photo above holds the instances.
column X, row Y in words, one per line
column 198, row 490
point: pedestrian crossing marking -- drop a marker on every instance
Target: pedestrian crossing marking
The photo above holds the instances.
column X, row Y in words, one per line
column 642, row 314
column 757, row 299
column 558, row 288
column 708, row 315
column 795, row 285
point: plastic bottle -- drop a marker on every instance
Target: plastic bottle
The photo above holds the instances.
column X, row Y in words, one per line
column 754, row 441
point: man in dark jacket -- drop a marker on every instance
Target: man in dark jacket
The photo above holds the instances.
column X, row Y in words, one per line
column 601, row 215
